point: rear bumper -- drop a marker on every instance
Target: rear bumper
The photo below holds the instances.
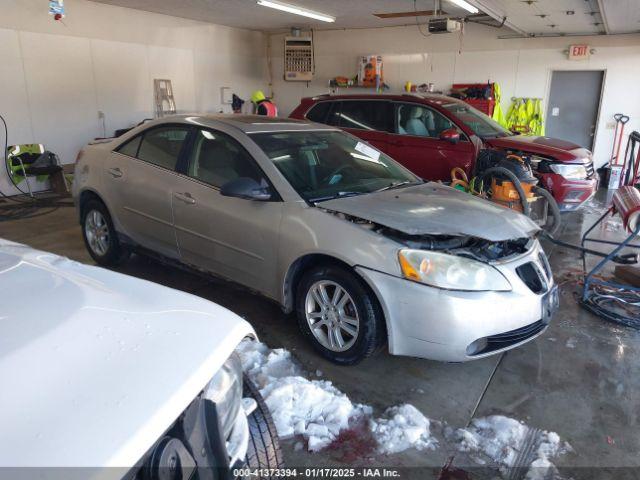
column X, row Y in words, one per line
column 446, row 325
column 569, row 194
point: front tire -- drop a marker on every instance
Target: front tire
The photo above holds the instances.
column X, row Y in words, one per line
column 264, row 447
column 339, row 315
column 100, row 236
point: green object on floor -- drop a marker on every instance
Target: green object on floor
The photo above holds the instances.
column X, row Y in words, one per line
column 26, row 152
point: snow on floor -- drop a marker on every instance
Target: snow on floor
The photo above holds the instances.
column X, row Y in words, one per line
column 314, row 409
column 401, row 428
column 318, row 411
column 500, row 438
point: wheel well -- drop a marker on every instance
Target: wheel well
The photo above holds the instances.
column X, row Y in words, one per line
column 307, row 262
column 85, row 196
column 304, row 264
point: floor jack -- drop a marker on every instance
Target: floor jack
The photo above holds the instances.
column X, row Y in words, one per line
column 612, row 301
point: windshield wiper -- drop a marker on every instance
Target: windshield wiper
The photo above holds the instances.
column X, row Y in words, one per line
column 395, row 185
column 335, row 195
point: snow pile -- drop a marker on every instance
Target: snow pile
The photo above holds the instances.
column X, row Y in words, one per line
column 500, row 438
column 550, row 446
column 495, row 436
column 314, row 409
column 319, row 412
column 401, row 428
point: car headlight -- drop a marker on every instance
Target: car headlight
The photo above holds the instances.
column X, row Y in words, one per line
column 450, row 271
column 569, row 171
column 225, row 391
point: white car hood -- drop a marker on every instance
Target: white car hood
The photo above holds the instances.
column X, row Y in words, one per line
column 435, row 209
column 96, row 365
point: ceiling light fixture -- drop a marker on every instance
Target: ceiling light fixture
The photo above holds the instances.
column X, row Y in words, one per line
column 285, row 7
column 466, row 5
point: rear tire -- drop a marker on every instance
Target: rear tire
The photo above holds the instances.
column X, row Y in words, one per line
column 339, row 315
column 100, row 236
column 264, row 447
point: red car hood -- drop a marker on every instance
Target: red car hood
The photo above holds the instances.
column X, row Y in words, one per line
column 549, row 147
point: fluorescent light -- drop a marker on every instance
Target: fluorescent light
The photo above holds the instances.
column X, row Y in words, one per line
column 285, row 7
column 466, row 5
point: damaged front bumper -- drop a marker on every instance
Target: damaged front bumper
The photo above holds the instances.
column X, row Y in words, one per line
column 458, row 326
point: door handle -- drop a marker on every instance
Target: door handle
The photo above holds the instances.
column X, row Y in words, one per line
column 115, row 172
column 185, row 197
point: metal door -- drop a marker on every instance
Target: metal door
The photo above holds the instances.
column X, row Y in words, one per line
column 574, row 101
column 424, row 153
column 232, row 237
column 138, row 183
column 140, row 197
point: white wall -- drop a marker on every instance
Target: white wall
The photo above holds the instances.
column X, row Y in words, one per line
column 522, row 67
column 56, row 76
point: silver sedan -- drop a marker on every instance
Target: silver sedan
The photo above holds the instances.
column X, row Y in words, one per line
column 364, row 251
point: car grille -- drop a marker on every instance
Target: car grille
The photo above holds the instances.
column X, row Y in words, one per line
column 545, row 265
column 506, row 339
column 533, row 277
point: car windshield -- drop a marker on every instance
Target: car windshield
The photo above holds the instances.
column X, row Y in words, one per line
column 321, row 165
column 481, row 124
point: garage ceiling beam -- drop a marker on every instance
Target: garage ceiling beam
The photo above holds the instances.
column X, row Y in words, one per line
column 489, row 7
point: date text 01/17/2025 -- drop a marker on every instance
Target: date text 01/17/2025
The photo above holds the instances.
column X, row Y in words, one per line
column 317, row 473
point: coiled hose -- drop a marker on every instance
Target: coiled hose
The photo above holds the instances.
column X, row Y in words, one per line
column 555, row 210
column 526, row 208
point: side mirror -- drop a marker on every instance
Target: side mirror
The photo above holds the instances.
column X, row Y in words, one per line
column 247, row 188
column 450, row 135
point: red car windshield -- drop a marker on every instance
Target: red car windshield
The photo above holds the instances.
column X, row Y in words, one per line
column 482, row 125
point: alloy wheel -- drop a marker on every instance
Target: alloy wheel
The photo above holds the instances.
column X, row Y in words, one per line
column 96, row 230
column 332, row 316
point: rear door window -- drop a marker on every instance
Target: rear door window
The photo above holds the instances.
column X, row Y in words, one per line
column 373, row 115
column 420, row 121
column 319, row 112
column 131, row 147
column 162, row 146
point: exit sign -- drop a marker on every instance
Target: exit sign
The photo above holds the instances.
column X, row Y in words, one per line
column 578, row 52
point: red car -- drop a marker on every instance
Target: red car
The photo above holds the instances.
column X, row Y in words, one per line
column 432, row 134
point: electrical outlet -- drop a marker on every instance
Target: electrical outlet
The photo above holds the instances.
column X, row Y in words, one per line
column 610, row 126
column 100, row 114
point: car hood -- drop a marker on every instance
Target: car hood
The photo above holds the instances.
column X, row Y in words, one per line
column 551, row 147
column 435, row 209
column 97, row 365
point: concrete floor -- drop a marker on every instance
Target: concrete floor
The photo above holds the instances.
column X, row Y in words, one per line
column 580, row 379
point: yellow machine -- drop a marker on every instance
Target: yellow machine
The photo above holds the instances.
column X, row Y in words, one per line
column 511, row 184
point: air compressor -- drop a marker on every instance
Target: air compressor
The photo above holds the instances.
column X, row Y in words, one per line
column 508, row 179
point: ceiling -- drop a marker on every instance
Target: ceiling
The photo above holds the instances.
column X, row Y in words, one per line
column 621, row 15
column 526, row 17
column 247, row 14
column 555, row 17
column 551, row 16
